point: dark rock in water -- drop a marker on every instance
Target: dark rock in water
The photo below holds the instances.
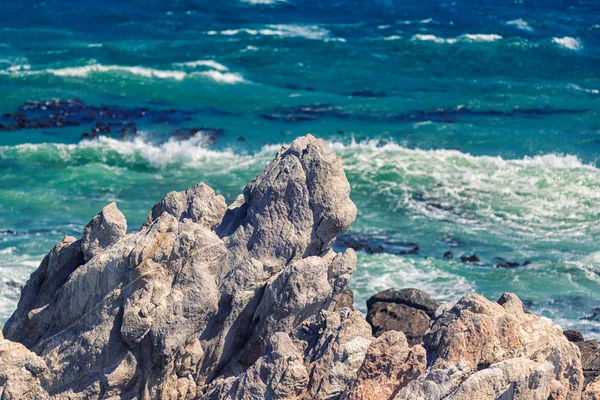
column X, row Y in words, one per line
column 8, row 232
column 368, row 93
column 508, row 264
column 573, row 336
column 104, row 120
column 448, row 255
column 241, row 139
column 14, row 284
column 594, row 316
column 473, row 259
column 311, row 112
column 308, row 112
column 405, row 310
column 345, row 300
column 374, row 244
column 502, row 263
column 414, row 250
column 526, row 263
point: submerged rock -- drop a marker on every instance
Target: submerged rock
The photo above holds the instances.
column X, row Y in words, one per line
column 248, row 302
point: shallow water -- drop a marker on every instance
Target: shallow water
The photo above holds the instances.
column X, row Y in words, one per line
column 473, row 129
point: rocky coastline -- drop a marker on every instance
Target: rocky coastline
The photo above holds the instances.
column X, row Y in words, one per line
column 249, row 301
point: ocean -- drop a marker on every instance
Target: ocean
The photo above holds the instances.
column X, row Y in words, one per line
column 470, row 128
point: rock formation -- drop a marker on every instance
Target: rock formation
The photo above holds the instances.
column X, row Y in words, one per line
column 246, row 302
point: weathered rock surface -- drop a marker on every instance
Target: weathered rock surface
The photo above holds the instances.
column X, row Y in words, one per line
column 389, row 365
column 247, row 302
column 406, row 310
column 345, row 300
column 485, row 350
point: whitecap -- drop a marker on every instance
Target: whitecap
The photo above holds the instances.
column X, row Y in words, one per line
column 313, row 32
column 429, row 38
column 520, row 24
column 481, row 37
column 204, row 63
column 223, row 77
column 468, row 37
column 568, row 42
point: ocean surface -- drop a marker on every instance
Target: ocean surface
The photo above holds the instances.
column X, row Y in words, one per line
column 465, row 127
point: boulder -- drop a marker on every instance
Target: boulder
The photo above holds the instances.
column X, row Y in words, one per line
column 406, row 310
column 485, row 350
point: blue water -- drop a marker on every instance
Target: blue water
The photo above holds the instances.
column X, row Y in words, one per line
column 469, row 127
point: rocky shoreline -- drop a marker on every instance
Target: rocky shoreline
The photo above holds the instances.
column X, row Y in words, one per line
column 249, row 301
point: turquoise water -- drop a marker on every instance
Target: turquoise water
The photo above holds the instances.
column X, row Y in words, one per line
column 469, row 128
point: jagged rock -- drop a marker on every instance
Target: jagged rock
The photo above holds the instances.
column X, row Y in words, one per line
column 336, row 343
column 104, row 230
column 20, row 372
column 345, row 300
column 592, row 390
column 198, row 203
column 36, row 306
column 279, row 374
column 188, row 305
column 484, row 350
column 406, row 310
column 388, row 366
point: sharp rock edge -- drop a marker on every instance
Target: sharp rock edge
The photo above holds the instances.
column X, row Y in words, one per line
column 214, row 302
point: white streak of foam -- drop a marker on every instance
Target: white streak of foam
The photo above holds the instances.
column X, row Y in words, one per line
column 520, row 24
column 468, row 37
column 313, row 32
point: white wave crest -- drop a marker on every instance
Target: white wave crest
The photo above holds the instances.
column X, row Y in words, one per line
column 468, row 37
column 520, row 24
column 223, row 77
column 217, row 74
column 203, row 63
column 313, row 32
column 568, row 43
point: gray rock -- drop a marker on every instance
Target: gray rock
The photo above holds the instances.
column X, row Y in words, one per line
column 103, row 230
column 344, row 300
column 198, row 203
column 201, row 299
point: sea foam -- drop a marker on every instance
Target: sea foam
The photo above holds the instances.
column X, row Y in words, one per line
column 568, row 43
